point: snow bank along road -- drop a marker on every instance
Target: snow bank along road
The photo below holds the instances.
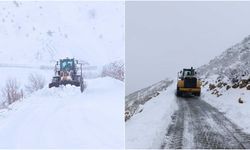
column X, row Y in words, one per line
column 197, row 124
column 66, row 118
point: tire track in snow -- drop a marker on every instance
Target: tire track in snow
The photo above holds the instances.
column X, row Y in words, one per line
column 197, row 124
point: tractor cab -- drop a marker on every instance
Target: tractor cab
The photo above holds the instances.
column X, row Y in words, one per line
column 67, row 64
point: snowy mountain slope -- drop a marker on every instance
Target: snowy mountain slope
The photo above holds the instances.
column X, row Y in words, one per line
column 232, row 63
column 42, row 32
column 137, row 99
column 66, row 118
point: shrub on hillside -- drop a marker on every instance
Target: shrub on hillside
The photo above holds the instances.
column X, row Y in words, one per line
column 12, row 92
column 36, row 82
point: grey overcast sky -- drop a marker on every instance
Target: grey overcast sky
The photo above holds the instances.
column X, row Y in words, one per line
column 164, row 37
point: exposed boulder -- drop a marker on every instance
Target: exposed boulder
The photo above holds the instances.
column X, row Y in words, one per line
column 204, row 84
column 220, row 84
column 235, row 85
column 240, row 100
column 211, row 86
column 248, row 87
column 243, row 83
column 127, row 115
column 219, row 94
column 156, row 94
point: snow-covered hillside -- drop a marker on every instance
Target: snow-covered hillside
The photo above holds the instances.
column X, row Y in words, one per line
column 42, row 32
column 134, row 102
column 232, row 63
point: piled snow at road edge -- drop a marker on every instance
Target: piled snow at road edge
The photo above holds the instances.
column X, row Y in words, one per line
column 60, row 118
column 147, row 129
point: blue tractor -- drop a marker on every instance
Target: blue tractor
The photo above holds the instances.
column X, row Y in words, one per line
column 68, row 71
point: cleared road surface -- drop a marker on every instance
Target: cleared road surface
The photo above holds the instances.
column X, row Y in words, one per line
column 197, row 124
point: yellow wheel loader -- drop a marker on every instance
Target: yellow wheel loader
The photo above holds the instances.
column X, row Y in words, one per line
column 188, row 83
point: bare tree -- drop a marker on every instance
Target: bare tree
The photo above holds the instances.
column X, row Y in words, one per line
column 114, row 69
column 11, row 92
column 36, row 82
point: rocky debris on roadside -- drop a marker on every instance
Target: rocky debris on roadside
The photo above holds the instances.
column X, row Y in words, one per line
column 211, row 86
column 240, row 100
column 243, row 83
column 235, row 85
column 248, row 86
column 228, row 87
column 217, row 87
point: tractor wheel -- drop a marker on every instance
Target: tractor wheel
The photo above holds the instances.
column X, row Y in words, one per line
column 81, row 87
column 82, row 84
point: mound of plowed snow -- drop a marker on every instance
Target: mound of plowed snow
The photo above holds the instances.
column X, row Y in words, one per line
column 66, row 118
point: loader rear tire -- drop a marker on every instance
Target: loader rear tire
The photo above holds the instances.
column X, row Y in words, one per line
column 198, row 94
column 178, row 92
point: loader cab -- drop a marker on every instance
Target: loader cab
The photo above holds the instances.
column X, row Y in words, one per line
column 67, row 64
column 187, row 73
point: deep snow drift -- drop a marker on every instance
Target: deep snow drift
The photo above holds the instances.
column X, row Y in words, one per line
column 65, row 118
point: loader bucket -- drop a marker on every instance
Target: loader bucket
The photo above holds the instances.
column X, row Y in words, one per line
column 53, row 84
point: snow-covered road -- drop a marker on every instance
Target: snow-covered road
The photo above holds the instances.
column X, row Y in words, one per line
column 67, row 118
column 197, row 124
column 167, row 121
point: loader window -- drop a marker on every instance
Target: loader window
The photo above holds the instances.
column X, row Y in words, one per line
column 67, row 65
column 188, row 73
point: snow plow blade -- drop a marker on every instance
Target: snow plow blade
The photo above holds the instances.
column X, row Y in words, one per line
column 57, row 84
